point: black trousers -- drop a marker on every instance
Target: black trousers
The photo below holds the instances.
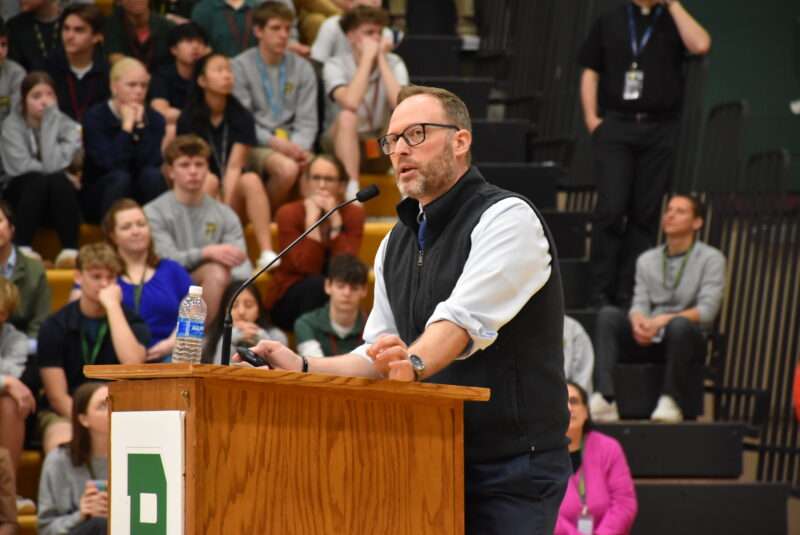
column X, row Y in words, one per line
column 302, row 297
column 41, row 199
column 681, row 350
column 516, row 496
column 93, row 526
column 633, row 162
column 142, row 185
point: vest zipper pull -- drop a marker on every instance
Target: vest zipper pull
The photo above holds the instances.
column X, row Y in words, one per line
column 419, row 258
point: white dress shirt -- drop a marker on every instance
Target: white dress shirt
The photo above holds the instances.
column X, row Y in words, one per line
column 509, row 261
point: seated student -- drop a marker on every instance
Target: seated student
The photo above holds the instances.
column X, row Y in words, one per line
column 16, row 399
column 80, row 70
column 123, row 139
column 11, row 75
column 29, row 277
column 228, row 24
column 335, row 328
column 171, row 83
column 134, row 30
column 677, row 296
column 298, row 284
column 331, row 41
column 95, row 329
column 8, row 494
column 250, row 324
column 601, row 486
column 200, row 233
column 280, row 89
column 73, row 495
column 215, row 115
column 578, row 354
column 364, row 85
column 151, row 286
column 39, row 145
column 33, row 34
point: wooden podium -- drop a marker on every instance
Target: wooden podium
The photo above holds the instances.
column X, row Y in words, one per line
column 275, row 452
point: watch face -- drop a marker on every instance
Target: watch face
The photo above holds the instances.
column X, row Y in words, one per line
column 416, row 362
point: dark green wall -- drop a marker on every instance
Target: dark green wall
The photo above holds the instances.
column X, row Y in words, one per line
column 756, row 56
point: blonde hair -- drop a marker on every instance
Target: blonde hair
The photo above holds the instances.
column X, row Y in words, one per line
column 99, row 255
column 9, row 296
column 123, row 66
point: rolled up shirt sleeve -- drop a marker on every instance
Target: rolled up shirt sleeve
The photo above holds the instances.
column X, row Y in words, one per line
column 509, row 262
column 381, row 319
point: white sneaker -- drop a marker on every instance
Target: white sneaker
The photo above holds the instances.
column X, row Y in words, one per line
column 67, row 259
column 352, row 188
column 601, row 410
column 266, row 257
column 30, row 253
column 667, row 411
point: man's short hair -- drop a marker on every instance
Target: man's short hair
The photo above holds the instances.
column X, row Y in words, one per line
column 186, row 145
column 363, row 15
column 189, row 31
column 9, row 296
column 271, row 10
column 7, row 211
column 98, row 255
column 454, row 108
column 91, row 14
column 698, row 208
column 348, row 269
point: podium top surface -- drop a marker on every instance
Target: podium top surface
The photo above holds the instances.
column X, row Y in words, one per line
column 118, row 372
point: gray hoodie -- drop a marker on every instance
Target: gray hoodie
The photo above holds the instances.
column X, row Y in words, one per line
column 298, row 97
column 49, row 149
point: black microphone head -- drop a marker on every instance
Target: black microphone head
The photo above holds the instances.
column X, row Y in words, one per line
column 370, row 192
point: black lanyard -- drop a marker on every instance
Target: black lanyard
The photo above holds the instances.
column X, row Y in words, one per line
column 680, row 270
column 90, row 358
column 40, row 39
column 220, row 154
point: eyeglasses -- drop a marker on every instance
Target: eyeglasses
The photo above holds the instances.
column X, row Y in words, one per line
column 413, row 135
column 323, row 178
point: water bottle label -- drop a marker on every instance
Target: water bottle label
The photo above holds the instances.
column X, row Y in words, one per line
column 190, row 328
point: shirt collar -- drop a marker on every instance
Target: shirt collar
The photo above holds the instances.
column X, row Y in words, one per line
column 8, row 268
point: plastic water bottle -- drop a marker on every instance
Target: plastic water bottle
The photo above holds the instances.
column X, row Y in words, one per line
column 191, row 320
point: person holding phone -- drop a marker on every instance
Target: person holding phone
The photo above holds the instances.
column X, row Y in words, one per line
column 73, row 491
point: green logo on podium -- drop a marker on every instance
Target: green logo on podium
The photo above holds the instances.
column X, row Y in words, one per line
column 147, row 489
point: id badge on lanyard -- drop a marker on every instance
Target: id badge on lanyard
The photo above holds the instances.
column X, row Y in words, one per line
column 585, row 522
column 634, row 77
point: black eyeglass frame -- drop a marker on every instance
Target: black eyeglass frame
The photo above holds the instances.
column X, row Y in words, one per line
column 383, row 141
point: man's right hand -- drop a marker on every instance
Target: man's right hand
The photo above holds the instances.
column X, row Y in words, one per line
column 19, row 392
column 642, row 333
column 370, row 48
column 287, row 148
column 592, row 123
column 225, row 254
column 278, row 355
column 387, row 349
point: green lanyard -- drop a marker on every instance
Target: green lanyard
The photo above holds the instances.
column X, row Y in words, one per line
column 680, row 270
column 89, row 358
column 137, row 291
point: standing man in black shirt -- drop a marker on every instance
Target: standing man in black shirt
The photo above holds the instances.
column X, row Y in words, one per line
column 631, row 92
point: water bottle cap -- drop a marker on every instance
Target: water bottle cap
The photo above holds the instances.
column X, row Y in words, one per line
column 196, row 290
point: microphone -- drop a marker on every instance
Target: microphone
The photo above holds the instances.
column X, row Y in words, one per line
column 370, row 192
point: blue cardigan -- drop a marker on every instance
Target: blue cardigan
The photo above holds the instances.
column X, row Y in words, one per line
column 109, row 148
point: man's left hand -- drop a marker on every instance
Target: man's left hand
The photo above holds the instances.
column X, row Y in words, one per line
column 387, row 349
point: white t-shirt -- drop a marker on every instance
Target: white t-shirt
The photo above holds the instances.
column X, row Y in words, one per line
column 373, row 113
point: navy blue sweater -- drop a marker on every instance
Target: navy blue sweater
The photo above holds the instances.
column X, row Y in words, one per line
column 109, row 148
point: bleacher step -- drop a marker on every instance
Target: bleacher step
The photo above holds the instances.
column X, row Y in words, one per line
column 576, row 281
column 499, row 141
column 474, row 91
column 534, row 181
column 571, row 233
column 685, row 450
column 710, row 507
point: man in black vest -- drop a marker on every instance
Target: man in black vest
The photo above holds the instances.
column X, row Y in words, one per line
column 468, row 292
column 632, row 92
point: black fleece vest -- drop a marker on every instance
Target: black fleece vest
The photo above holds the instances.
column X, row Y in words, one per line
column 524, row 367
